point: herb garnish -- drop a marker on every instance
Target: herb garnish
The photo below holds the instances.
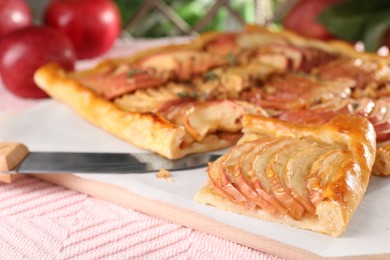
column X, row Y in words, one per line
column 355, row 105
column 210, row 76
column 232, row 60
column 187, row 94
column 132, row 72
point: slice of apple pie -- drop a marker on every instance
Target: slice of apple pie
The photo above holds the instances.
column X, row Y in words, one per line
column 310, row 177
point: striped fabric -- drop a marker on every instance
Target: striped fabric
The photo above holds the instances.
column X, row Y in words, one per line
column 39, row 220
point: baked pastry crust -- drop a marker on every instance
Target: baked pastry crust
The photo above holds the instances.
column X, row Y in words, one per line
column 340, row 196
column 382, row 160
column 168, row 137
column 161, row 137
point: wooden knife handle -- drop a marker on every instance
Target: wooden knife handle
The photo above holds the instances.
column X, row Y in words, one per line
column 11, row 154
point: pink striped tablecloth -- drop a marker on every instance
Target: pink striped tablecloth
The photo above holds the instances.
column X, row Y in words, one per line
column 39, row 220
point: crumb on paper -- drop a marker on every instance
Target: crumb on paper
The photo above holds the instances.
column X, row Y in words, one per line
column 165, row 175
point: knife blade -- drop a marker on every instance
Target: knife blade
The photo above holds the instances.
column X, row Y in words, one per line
column 16, row 158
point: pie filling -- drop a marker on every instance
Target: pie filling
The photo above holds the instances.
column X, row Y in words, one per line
column 302, row 84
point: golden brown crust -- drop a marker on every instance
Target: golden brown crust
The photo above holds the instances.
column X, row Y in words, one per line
column 382, row 161
column 162, row 137
column 128, row 126
column 338, row 205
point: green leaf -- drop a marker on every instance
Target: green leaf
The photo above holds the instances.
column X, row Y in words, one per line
column 248, row 14
column 191, row 12
column 349, row 20
column 377, row 28
column 128, row 8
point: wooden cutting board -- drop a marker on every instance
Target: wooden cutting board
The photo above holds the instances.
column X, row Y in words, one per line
column 52, row 126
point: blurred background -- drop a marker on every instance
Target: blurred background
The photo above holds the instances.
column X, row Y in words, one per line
column 161, row 18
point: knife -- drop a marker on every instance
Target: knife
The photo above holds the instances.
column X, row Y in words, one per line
column 16, row 158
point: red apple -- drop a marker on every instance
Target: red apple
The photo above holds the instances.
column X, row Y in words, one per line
column 302, row 18
column 23, row 51
column 92, row 26
column 14, row 15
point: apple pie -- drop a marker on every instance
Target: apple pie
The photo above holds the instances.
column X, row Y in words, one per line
column 308, row 121
column 310, row 177
column 177, row 100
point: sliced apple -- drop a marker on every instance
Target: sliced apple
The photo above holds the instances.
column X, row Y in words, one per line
column 233, row 176
column 252, row 40
column 329, row 90
column 225, row 176
column 246, row 162
column 245, row 170
column 173, row 110
column 379, row 112
column 232, row 190
column 115, row 83
column 382, row 122
column 233, row 80
column 222, row 186
column 160, row 62
column 341, row 105
column 192, row 63
column 313, row 58
column 321, row 173
column 215, row 173
column 274, row 174
column 307, row 60
column 368, row 71
column 155, row 99
column 234, row 172
column 331, row 163
column 277, row 61
column 383, row 135
column 223, row 44
column 208, row 117
column 205, row 62
column 294, row 54
column 259, row 167
column 296, row 171
column 292, row 91
column 182, row 65
column 365, row 107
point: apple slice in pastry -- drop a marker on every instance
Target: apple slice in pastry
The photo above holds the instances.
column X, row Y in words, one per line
column 312, row 177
